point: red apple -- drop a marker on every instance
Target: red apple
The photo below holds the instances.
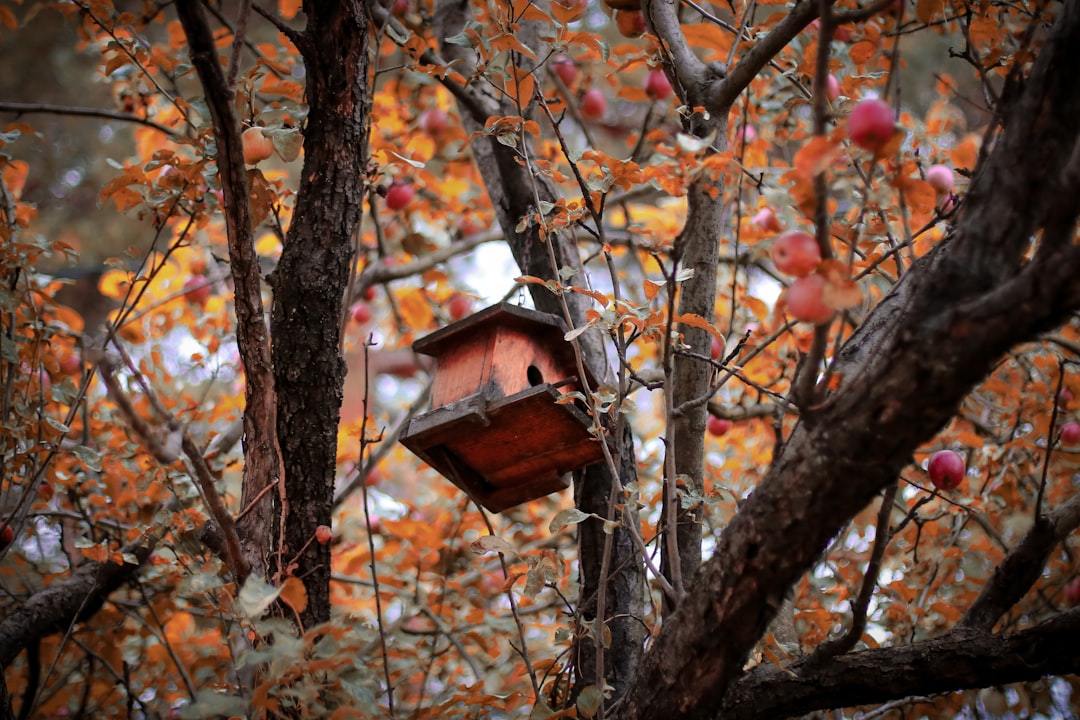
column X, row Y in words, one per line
column 257, row 147
column 871, row 124
column 806, row 300
column 1065, row 397
column 565, row 68
column 766, row 220
column 717, row 426
column 946, row 469
column 796, row 253
column 361, row 313
column 843, row 34
column 716, row 350
column 458, row 306
column 1070, row 432
column 197, row 290
column 657, row 86
column 323, row 533
column 434, row 122
column 940, row 178
column 400, row 7
column 70, row 364
column 631, row 23
column 398, row 196
column 1072, row 591
column 7, row 536
column 832, row 88
column 593, row 104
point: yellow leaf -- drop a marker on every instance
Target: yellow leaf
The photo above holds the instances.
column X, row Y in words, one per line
column 415, row 310
column 651, row 289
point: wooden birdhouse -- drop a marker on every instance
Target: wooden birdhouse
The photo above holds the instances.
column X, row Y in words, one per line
column 495, row 429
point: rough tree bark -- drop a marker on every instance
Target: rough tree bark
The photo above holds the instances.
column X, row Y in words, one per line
column 515, row 192
column 309, row 286
column 903, row 373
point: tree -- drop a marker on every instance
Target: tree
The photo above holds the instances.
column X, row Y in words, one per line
column 310, row 184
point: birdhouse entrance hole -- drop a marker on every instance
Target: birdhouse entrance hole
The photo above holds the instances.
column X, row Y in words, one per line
column 499, row 427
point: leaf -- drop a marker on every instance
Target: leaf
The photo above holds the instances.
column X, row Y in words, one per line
column 816, row 156
column 588, row 702
column 294, row 594
column 88, row 457
column 489, row 543
column 570, row 516
column 256, row 596
column 287, row 141
column 926, row 10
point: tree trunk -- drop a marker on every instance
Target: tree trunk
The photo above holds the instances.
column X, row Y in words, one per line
column 309, row 286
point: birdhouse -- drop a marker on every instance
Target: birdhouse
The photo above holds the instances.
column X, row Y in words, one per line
column 496, row 428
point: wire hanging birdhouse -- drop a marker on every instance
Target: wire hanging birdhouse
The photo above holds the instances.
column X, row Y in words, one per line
column 496, row 428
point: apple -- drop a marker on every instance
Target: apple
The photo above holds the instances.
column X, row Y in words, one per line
column 434, row 122
column 871, row 124
column 257, row 147
column 806, row 300
column 940, row 178
column 70, row 364
column 197, row 290
column 716, row 349
column 946, row 469
column 843, row 34
column 766, row 220
column 748, row 134
column 565, row 68
column 832, row 88
column 1072, row 591
column 46, row 491
column 400, row 7
column 361, row 313
column 1070, row 432
column 717, row 426
column 458, row 306
column 593, row 104
column 7, row 536
column 657, row 86
column 323, row 533
column 1065, row 397
column 369, row 293
column 631, row 23
column 796, row 253
column 398, row 196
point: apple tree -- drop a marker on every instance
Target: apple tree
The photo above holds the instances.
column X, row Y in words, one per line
column 818, row 258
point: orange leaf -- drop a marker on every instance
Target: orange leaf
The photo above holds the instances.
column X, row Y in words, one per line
column 294, row 594
column 841, row 292
column 815, row 156
column 925, row 10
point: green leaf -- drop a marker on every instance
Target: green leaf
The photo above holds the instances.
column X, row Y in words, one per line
column 90, row 458
column 570, row 516
column 588, row 702
column 256, row 596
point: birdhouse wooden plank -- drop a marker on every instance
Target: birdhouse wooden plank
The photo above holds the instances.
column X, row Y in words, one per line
column 500, row 427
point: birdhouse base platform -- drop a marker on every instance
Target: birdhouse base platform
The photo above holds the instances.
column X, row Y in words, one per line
column 508, row 450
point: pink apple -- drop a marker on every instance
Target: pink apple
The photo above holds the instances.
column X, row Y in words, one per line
column 197, row 290
column 593, row 104
column 940, row 178
column 717, row 426
column 796, row 253
column 398, row 196
column 806, row 300
column 361, row 313
column 565, row 68
column 1070, row 432
column 459, row 306
column 871, row 125
column 657, row 86
column 946, row 469
column 434, row 121
column 323, row 534
column 766, row 220
column 832, row 88
column 716, row 349
column 1072, row 591
column 1065, row 397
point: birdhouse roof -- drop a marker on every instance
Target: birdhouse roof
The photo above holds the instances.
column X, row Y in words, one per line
column 545, row 328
